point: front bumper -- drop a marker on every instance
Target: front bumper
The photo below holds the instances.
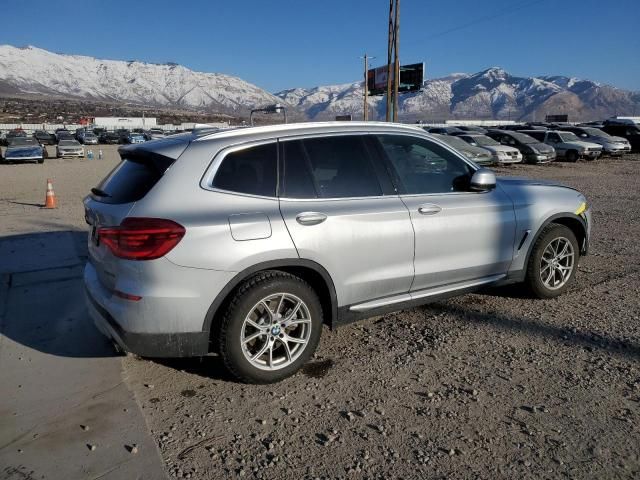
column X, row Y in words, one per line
column 39, row 158
column 591, row 154
column 540, row 157
column 70, row 154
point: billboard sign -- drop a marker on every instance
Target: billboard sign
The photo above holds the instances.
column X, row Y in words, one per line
column 411, row 79
column 556, row 118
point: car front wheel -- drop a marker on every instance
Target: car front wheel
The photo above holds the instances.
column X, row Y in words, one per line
column 553, row 261
column 271, row 327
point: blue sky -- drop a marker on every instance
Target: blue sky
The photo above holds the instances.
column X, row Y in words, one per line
column 280, row 44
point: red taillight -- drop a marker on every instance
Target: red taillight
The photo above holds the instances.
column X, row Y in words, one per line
column 141, row 238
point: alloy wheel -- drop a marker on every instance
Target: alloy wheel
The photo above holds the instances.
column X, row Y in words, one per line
column 557, row 263
column 276, row 331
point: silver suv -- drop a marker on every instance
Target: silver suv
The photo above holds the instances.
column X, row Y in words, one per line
column 245, row 242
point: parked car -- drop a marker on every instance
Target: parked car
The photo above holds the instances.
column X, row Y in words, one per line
column 567, row 145
column 472, row 129
column 478, row 155
column 501, row 154
column 24, row 149
column 533, row 151
column 630, row 132
column 69, row 148
column 123, row 134
column 614, row 146
column 89, row 138
column 63, row 134
column 99, row 131
column 293, row 250
column 443, row 130
column 12, row 134
column 134, row 138
column 44, row 138
column 109, row 138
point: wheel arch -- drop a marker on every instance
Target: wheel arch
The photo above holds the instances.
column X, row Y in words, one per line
column 573, row 222
column 313, row 273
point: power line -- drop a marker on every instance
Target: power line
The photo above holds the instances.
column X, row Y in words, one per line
column 506, row 11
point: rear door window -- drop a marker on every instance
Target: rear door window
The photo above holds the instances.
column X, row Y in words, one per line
column 329, row 167
column 252, row 171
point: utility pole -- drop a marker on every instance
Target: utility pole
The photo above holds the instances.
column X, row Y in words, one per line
column 389, row 55
column 366, row 86
column 396, row 66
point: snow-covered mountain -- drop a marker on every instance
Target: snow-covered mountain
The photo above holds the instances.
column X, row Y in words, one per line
column 490, row 94
column 31, row 70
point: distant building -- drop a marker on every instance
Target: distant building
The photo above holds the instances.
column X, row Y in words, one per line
column 123, row 122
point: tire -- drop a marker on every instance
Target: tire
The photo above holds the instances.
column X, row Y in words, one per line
column 280, row 292
column 41, row 161
column 571, row 156
column 538, row 268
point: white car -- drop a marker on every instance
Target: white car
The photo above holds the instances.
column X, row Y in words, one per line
column 501, row 153
column 69, row 148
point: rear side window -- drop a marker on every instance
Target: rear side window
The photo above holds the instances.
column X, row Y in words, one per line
column 329, row 167
column 128, row 182
column 251, row 171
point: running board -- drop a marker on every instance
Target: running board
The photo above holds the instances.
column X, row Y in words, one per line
column 406, row 297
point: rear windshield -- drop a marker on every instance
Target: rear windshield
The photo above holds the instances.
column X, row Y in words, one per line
column 129, row 182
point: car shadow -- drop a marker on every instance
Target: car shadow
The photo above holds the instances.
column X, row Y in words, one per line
column 566, row 335
column 42, row 299
column 211, row 366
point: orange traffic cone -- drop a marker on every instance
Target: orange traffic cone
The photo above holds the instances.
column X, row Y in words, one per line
column 50, row 201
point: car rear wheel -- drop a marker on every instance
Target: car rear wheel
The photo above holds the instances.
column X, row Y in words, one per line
column 271, row 327
column 572, row 156
column 553, row 261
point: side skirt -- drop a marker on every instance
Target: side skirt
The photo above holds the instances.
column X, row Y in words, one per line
column 353, row 313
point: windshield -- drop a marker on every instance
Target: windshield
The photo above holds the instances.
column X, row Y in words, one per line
column 68, row 143
column 21, row 142
column 523, row 138
column 568, row 137
column 596, row 132
column 484, row 140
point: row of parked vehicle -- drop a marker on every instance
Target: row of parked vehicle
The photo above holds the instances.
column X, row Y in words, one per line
column 540, row 142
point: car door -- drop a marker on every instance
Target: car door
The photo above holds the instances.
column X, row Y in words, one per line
column 342, row 212
column 461, row 236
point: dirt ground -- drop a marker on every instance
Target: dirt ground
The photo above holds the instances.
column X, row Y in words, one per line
column 487, row 385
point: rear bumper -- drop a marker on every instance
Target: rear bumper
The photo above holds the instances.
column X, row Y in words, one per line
column 164, row 345
column 168, row 320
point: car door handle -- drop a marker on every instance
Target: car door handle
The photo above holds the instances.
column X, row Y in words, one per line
column 310, row 218
column 429, row 209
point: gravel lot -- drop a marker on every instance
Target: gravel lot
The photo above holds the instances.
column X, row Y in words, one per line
column 488, row 385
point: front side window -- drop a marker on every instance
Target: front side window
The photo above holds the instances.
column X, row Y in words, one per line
column 553, row 137
column 424, row 167
column 328, row 167
column 252, row 170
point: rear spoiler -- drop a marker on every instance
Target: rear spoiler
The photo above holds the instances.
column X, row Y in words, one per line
column 160, row 154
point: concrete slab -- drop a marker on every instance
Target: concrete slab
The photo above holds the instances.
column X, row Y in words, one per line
column 58, row 375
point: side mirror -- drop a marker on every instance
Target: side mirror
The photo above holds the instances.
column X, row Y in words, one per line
column 483, row 180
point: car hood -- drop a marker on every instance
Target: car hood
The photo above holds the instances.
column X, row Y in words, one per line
column 613, row 139
column 583, row 144
column 518, row 181
column 25, row 151
column 501, row 148
column 541, row 147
